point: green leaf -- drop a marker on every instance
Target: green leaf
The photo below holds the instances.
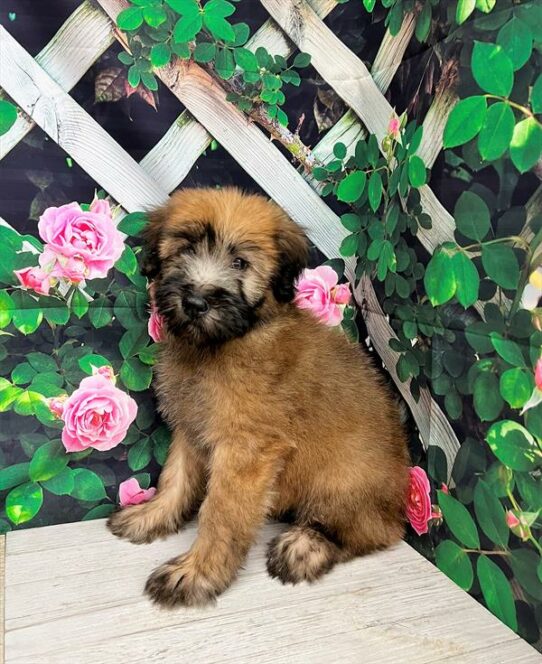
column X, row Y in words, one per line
column 130, row 19
column 205, row 52
column 23, row 374
column 526, row 144
column 459, row 520
column 501, row 265
column 149, row 80
column 61, row 484
column 472, row 216
column 154, row 16
column 224, row 63
column 160, row 55
column 218, row 27
column 8, row 116
column 6, row 309
column 48, row 460
column 188, row 7
column 490, row 514
column 28, row 403
column 149, row 353
column 181, row 50
column 134, row 76
column 439, row 279
column 369, row 5
column 339, row 150
column 41, row 362
column 496, row 133
column 187, row 27
column 524, row 563
column 87, row 485
column 492, row 69
column 135, row 375
column 536, row 95
column 302, row 60
column 27, row 314
column 220, row 8
column 516, row 40
column 7, row 396
column 100, row 312
column 455, row 563
column 139, row 454
column 99, row 512
column 516, row 386
column 349, row 246
column 464, row 10
column 507, row 349
column 79, row 304
column 54, row 310
column 24, row 502
column 352, row 222
column 467, row 279
column 423, row 22
column 91, row 361
column 487, row 399
column 496, row 591
column 245, row 59
column 127, row 263
column 13, row 475
column 512, row 444
column 132, row 341
column 485, row 5
column 351, row 188
column 465, row 121
column 374, row 191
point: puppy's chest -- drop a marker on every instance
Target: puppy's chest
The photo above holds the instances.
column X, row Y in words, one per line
column 192, row 400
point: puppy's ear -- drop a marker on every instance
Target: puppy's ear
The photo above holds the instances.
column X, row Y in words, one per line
column 293, row 257
column 152, row 234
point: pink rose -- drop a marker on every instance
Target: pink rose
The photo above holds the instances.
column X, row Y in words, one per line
column 511, row 519
column 418, row 508
column 394, row 126
column 96, row 415
column 130, row 493
column 156, row 326
column 89, row 237
column 73, row 268
column 56, row 404
column 105, row 371
column 34, row 278
column 538, row 374
column 317, row 291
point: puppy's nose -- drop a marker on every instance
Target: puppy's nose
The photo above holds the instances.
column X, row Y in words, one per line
column 194, row 305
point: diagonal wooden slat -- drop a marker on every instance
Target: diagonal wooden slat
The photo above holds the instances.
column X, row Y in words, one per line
column 73, row 129
column 66, row 59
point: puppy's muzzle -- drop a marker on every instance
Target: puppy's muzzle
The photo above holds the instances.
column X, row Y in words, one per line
column 195, row 306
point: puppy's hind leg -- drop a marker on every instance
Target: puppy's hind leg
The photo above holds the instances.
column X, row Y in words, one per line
column 303, row 553
column 179, row 486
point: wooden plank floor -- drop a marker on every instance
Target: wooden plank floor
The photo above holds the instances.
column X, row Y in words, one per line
column 73, row 595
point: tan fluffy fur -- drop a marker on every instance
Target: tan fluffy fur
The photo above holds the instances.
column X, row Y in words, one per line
column 288, row 418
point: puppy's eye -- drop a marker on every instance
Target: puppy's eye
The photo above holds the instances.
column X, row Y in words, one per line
column 239, row 264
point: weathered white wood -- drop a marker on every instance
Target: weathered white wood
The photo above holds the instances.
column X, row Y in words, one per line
column 348, row 129
column 345, row 72
column 66, row 59
column 74, row 594
column 73, row 129
column 2, row 595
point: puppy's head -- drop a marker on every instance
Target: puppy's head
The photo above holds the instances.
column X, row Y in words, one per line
column 221, row 261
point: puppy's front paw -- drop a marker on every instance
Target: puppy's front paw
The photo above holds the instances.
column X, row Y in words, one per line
column 141, row 524
column 182, row 582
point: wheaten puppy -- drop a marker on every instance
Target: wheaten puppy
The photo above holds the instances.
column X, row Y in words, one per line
column 272, row 412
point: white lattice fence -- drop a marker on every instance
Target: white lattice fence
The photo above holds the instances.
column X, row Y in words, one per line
column 41, row 88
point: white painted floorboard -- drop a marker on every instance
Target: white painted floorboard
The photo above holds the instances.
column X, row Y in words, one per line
column 74, row 596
